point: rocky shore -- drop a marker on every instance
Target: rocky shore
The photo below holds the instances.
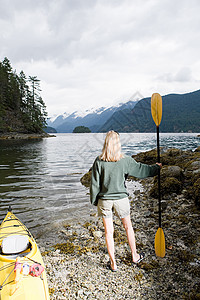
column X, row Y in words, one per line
column 77, row 267
column 24, row 136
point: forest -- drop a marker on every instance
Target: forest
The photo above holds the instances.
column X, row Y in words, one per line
column 22, row 108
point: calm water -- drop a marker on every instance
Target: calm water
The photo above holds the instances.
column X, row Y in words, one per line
column 41, row 178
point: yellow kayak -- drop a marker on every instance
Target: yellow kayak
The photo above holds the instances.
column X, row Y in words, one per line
column 22, row 272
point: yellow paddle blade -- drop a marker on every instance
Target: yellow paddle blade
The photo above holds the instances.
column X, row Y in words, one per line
column 156, row 108
column 160, row 243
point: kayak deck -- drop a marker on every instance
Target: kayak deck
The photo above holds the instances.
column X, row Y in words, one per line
column 24, row 286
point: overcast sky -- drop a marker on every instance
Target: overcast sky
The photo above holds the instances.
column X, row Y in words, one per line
column 91, row 53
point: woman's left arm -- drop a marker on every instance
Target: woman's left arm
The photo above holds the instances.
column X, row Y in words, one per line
column 140, row 170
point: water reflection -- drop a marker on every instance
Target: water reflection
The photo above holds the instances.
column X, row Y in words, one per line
column 22, row 167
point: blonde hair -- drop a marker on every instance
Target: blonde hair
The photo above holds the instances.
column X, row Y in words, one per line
column 112, row 147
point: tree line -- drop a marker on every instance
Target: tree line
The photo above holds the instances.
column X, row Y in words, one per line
column 22, row 108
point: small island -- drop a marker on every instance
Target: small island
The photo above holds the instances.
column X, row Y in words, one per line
column 81, row 129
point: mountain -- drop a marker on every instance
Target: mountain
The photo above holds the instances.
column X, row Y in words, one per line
column 93, row 119
column 49, row 129
column 181, row 113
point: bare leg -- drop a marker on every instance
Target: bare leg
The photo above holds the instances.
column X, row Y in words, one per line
column 109, row 230
column 131, row 237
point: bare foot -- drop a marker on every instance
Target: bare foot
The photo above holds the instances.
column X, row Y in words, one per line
column 136, row 257
column 113, row 265
column 140, row 258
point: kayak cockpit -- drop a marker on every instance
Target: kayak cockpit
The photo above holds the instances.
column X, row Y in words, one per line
column 15, row 245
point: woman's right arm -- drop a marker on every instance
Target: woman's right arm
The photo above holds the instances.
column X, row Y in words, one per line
column 95, row 184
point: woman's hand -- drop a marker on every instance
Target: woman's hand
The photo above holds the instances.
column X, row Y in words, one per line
column 159, row 164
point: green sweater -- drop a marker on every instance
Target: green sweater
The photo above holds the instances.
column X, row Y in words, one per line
column 108, row 178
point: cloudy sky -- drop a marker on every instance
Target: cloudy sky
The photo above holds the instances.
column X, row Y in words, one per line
column 91, row 53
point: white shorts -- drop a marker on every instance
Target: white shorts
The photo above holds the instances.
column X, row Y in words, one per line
column 121, row 207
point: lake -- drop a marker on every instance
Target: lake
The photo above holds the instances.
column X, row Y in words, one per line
column 40, row 179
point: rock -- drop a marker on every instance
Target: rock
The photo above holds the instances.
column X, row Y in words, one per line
column 169, row 185
column 149, row 157
column 172, row 171
column 24, row 136
column 42, row 249
column 195, row 165
column 118, row 222
column 164, row 205
column 97, row 234
column 198, row 148
column 181, row 245
column 196, row 192
column 196, row 172
column 147, row 213
column 85, row 180
column 79, row 293
column 137, row 192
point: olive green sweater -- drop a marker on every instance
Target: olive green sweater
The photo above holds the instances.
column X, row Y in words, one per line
column 108, row 178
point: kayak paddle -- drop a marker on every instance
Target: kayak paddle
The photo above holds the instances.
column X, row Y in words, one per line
column 156, row 111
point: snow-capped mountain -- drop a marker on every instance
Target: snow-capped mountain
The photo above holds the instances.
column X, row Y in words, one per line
column 93, row 118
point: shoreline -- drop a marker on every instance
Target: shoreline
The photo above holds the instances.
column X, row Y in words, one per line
column 77, row 268
column 24, row 136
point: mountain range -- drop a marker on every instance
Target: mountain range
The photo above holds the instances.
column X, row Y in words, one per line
column 93, row 119
column 181, row 113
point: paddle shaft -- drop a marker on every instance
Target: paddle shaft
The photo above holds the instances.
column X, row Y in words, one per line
column 158, row 159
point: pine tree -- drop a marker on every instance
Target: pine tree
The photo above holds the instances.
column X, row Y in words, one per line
column 37, row 106
column 5, row 87
column 23, row 90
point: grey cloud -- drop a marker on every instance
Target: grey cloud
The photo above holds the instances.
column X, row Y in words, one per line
column 44, row 32
column 96, row 49
column 65, row 30
column 183, row 75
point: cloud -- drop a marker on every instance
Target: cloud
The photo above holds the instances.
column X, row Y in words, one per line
column 183, row 75
column 92, row 52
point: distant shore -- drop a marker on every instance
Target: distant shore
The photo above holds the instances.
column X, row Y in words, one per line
column 24, row 136
column 28, row 136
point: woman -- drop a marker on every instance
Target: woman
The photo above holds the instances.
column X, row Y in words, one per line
column 108, row 191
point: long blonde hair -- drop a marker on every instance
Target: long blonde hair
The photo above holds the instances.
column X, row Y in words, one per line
column 112, row 147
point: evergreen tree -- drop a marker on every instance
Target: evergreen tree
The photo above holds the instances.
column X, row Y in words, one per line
column 23, row 90
column 37, row 106
column 5, row 87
